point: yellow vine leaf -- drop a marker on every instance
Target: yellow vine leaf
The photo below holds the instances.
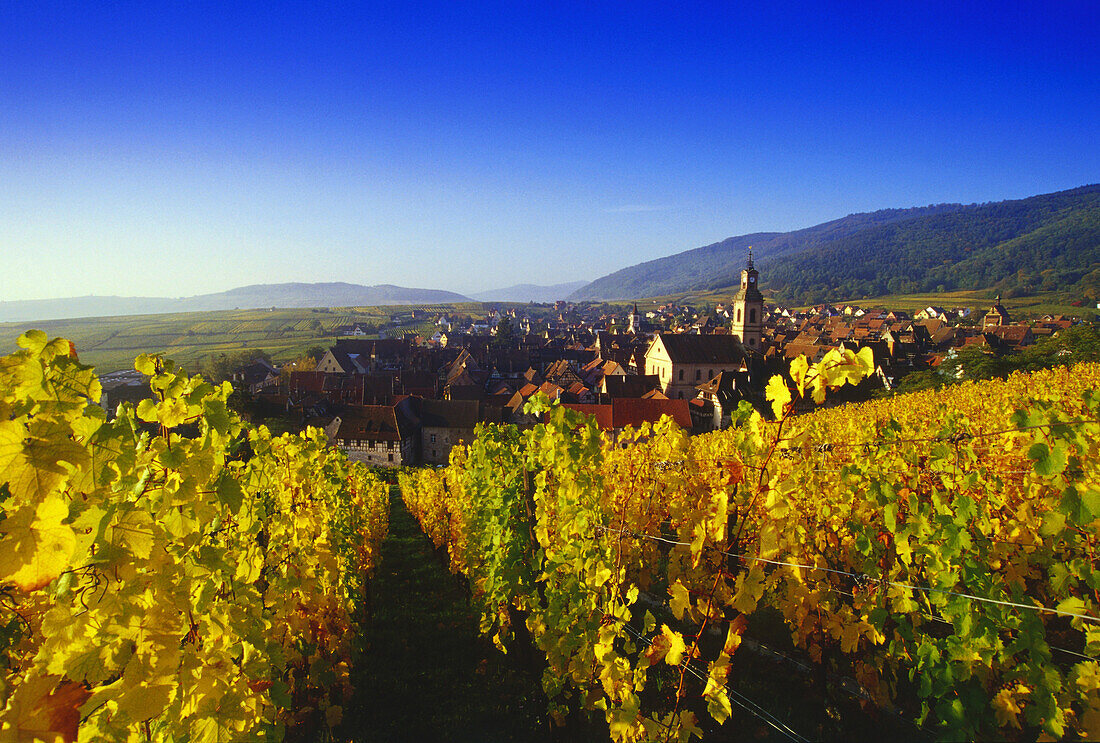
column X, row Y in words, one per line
column 35, row 546
column 681, row 601
column 43, row 708
column 31, row 457
column 1087, row 676
column 799, row 367
column 733, row 635
column 778, row 394
column 1005, row 708
column 718, row 702
column 676, row 646
column 769, row 539
column 689, row 726
column 623, row 719
column 22, row 376
column 849, row 638
column 750, row 587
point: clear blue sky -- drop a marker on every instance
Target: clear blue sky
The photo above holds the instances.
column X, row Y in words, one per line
column 192, row 147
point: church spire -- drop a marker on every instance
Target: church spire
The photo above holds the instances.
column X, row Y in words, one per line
column 748, row 309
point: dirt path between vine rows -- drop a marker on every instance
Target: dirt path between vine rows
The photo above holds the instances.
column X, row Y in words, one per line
column 424, row 673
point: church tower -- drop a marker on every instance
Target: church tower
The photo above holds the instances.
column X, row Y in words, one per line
column 996, row 317
column 635, row 322
column 748, row 309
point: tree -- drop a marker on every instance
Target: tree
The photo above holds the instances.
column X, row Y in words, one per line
column 224, row 366
column 504, row 332
column 300, row 364
column 977, row 362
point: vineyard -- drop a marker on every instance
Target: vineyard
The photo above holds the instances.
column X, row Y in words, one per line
column 936, row 552
column 171, row 574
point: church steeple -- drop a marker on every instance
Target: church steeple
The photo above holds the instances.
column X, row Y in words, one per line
column 996, row 316
column 748, row 308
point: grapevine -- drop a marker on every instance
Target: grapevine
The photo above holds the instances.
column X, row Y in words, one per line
column 939, row 548
column 168, row 573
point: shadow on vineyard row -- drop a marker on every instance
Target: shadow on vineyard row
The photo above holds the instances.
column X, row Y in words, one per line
column 425, row 673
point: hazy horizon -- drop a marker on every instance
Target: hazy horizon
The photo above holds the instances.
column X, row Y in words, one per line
column 168, row 151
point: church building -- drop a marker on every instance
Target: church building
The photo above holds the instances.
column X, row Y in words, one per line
column 747, row 309
column 996, row 317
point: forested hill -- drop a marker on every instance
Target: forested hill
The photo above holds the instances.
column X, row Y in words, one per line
column 1042, row 242
column 719, row 264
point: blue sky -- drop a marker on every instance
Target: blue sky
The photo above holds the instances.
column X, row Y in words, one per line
column 193, row 147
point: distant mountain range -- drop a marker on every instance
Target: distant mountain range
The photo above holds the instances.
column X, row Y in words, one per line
column 332, row 294
column 1047, row 242
column 530, row 293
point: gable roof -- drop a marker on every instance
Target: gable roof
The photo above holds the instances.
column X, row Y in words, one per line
column 683, row 348
column 449, row 413
column 369, row 422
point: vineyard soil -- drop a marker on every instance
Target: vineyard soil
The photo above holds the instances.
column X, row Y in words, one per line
column 426, row 674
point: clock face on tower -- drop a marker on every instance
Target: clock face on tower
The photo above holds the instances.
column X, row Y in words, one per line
column 752, row 279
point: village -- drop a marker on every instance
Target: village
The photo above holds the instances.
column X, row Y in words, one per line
column 408, row 400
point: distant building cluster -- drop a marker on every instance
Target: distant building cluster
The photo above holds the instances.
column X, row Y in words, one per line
column 409, row 400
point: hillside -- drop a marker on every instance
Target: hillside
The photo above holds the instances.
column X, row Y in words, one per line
column 1043, row 242
column 719, row 264
column 256, row 296
column 529, row 293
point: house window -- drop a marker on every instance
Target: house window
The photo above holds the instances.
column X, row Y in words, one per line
column 389, row 457
column 389, row 445
column 434, row 453
column 433, row 438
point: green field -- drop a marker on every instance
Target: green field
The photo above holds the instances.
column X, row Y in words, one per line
column 1029, row 307
column 111, row 343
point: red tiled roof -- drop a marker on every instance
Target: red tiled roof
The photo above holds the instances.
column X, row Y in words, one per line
column 551, row 390
column 634, row 412
column 306, row 381
column 627, row 411
column 602, row 414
